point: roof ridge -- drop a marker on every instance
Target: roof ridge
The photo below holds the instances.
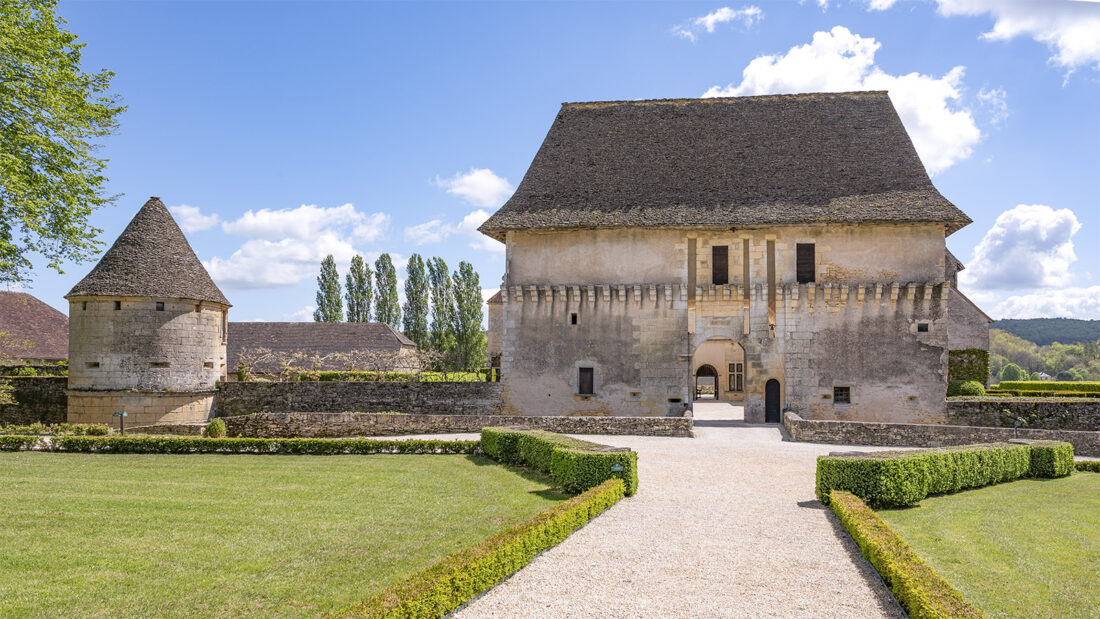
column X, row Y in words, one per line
column 680, row 100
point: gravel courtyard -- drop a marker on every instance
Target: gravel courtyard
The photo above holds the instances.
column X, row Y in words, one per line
column 723, row 525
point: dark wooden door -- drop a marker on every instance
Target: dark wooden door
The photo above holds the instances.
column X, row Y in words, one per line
column 771, row 401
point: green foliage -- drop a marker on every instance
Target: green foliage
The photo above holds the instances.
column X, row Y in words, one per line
column 416, row 302
column 214, row 429
column 299, row 446
column 330, row 308
column 18, row 442
column 968, row 364
column 1049, row 386
column 51, row 112
column 78, row 429
column 22, row 370
column 441, row 336
column 469, row 335
column 1050, row 459
column 444, row 587
column 1092, row 466
column 386, row 306
column 1012, row 372
column 919, row 590
column 1075, row 361
column 965, row 387
column 574, row 465
column 359, row 290
column 902, row 478
column 394, row 377
column 1046, row 331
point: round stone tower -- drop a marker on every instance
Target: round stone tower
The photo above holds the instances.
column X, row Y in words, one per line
column 147, row 330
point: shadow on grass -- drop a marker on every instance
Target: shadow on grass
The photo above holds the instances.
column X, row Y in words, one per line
column 533, row 476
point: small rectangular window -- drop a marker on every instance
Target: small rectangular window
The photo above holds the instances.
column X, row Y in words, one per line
column 720, row 265
column 91, row 364
column 118, row 305
column 208, row 364
column 585, row 384
column 158, row 364
column 737, row 377
column 842, row 395
column 573, row 319
column 83, row 305
column 922, row 327
column 805, row 264
column 160, row 306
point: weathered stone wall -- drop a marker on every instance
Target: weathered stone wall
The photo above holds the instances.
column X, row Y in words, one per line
column 145, row 408
column 236, row 398
column 968, row 327
column 1045, row 413
column 137, row 347
column 285, row 425
column 38, row 399
column 926, row 435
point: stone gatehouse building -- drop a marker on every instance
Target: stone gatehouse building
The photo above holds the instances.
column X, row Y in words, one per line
column 785, row 251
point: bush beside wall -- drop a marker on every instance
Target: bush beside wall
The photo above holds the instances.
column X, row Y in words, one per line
column 903, row 478
column 459, row 578
column 1091, row 466
column 79, row 429
column 1049, row 385
column 574, row 465
column 965, row 388
column 968, row 364
column 920, row 590
column 195, row 445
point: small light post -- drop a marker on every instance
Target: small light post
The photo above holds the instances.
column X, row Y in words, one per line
column 121, row 421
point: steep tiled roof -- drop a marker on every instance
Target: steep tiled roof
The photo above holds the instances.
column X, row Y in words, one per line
column 740, row 161
column 151, row 258
column 320, row 338
column 496, row 298
column 31, row 320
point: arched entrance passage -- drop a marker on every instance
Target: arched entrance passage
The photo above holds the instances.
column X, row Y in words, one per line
column 771, row 401
column 706, row 382
column 727, row 359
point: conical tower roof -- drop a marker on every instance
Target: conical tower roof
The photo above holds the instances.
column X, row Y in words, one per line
column 151, row 258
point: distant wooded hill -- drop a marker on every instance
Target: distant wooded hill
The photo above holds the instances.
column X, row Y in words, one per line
column 1045, row 331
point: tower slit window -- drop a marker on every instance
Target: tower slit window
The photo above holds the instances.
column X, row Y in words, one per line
column 720, row 265
column 805, row 263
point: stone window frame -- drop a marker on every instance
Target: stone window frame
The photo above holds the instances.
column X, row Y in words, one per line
column 926, row 324
column 850, row 393
column 575, row 380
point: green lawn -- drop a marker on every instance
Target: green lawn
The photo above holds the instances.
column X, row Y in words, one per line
column 1028, row 548
column 225, row 535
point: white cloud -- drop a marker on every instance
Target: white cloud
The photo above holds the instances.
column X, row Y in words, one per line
column 286, row 246
column 479, row 187
column 436, row 231
column 943, row 131
column 1065, row 303
column 191, row 219
column 303, row 315
column 746, row 15
column 994, row 101
column 1029, row 246
column 1068, row 28
column 879, row 5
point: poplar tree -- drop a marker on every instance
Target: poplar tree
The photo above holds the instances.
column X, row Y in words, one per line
column 386, row 306
column 416, row 302
column 359, row 290
column 329, row 306
column 441, row 336
column 469, row 336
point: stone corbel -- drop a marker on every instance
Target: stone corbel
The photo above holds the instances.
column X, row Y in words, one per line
column 668, row 294
column 928, row 291
column 844, row 293
column 878, row 291
column 517, row 292
column 591, row 290
column 621, row 290
column 653, row 293
column 533, row 290
column 859, row 293
column 795, row 288
column 910, row 291
column 894, row 288
column 606, row 293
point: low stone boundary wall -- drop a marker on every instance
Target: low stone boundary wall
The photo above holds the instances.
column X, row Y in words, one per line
column 329, row 425
column 1042, row 413
column 37, row 399
column 926, row 435
column 237, row 398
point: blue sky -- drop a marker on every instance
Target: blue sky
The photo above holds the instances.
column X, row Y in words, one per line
column 281, row 132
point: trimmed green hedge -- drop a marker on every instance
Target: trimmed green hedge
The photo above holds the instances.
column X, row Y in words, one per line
column 482, row 375
column 18, row 442
column 1091, row 466
column 968, row 364
column 89, row 429
column 920, row 590
column 574, row 465
column 965, row 387
column 194, row 445
column 1049, row 385
column 1043, row 394
column 902, row 478
column 459, row 578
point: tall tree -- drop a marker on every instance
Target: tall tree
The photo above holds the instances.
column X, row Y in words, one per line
column 329, row 306
column 387, row 309
column 359, row 290
column 441, row 336
column 416, row 302
column 469, row 336
column 51, row 112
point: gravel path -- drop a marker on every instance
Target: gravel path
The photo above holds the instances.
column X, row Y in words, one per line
column 723, row 525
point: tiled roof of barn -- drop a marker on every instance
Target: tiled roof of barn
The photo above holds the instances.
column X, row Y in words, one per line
column 151, row 258
column 496, row 298
column 321, row 338
column 30, row 320
column 739, row 161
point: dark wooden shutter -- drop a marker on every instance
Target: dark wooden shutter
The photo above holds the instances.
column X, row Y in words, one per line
column 720, row 259
column 804, row 263
column 585, row 387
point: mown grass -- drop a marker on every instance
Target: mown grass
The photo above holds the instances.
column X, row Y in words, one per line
column 231, row 535
column 1029, row 548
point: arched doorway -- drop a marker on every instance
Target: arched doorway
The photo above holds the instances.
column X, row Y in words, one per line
column 771, row 401
column 706, row 382
column 726, row 359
